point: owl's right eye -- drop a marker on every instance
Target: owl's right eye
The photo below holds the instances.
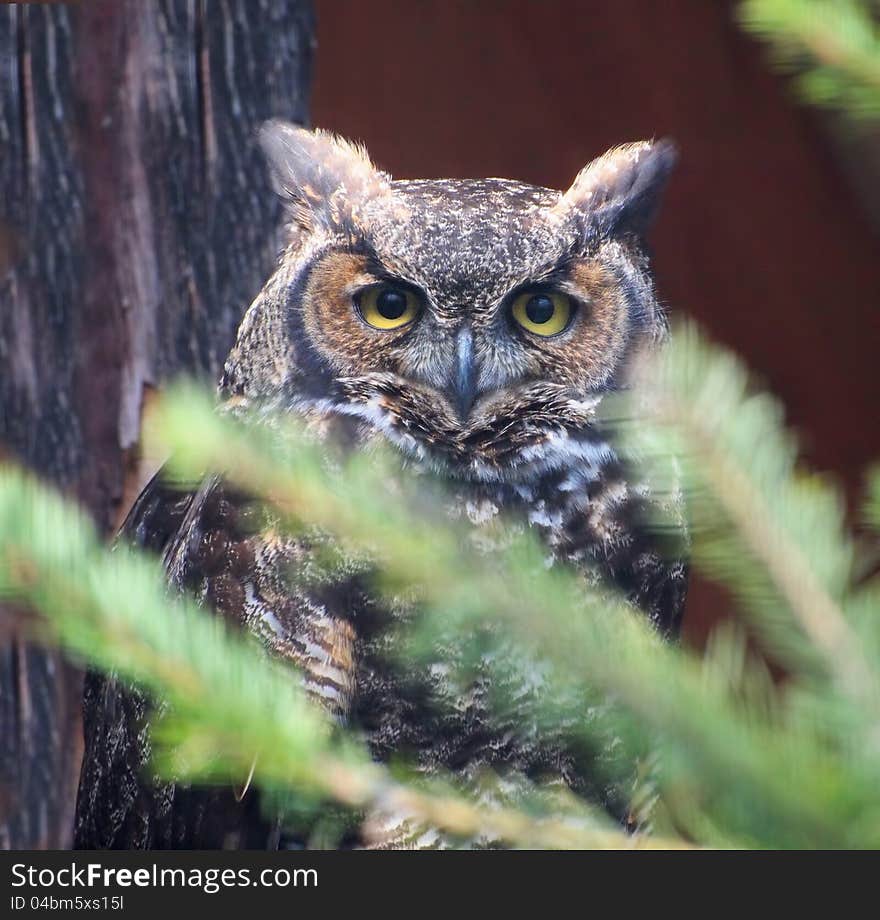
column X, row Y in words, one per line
column 385, row 306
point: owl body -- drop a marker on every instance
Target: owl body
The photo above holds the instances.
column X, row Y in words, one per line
column 477, row 326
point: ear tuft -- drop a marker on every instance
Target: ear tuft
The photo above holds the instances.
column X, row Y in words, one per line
column 323, row 178
column 620, row 192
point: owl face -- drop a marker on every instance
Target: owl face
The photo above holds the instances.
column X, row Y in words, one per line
column 473, row 323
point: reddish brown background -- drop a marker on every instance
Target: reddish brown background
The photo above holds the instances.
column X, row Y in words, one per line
column 763, row 238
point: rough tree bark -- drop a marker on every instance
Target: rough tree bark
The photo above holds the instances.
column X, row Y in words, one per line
column 136, row 225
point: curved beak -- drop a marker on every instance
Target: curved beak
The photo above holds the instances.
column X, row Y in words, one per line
column 463, row 385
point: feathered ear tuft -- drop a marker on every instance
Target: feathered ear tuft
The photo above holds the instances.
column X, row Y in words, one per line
column 619, row 193
column 323, row 178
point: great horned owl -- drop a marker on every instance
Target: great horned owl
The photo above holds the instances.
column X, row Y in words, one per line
column 477, row 326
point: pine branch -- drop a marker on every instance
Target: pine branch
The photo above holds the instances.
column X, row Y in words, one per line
column 792, row 772
column 760, row 512
column 832, row 46
column 872, row 503
column 738, row 762
column 226, row 699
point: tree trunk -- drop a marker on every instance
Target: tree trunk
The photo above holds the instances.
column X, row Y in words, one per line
column 136, row 226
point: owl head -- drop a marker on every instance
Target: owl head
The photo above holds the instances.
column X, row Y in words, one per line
column 475, row 324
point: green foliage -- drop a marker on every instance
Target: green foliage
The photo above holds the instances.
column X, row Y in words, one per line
column 708, row 749
column 832, row 47
column 872, row 506
column 231, row 708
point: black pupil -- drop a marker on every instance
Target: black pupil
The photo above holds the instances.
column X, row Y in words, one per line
column 539, row 309
column 391, row 304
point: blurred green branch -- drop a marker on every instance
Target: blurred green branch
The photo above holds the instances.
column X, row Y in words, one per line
column 227, row 699
column 740, row 761
column 872, row 506
column 832, row 47
column 784, row 548
column 591, row 639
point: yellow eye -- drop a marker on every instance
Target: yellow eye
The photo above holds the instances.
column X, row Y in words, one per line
column 387, row 307
column 542, row 313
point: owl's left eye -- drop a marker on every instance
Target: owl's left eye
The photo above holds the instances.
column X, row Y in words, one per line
column 385, row 306
column 541, row 313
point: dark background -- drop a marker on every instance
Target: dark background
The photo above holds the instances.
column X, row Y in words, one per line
column 136, row 224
